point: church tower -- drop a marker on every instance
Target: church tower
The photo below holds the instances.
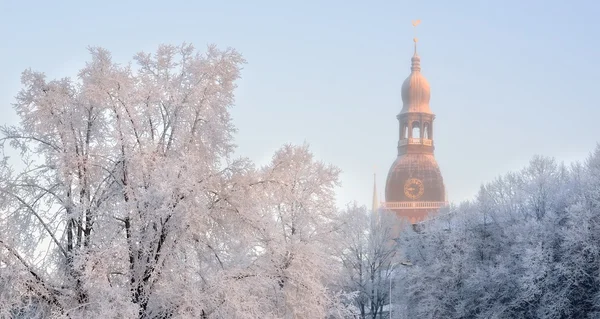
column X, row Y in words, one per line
column 414, row 188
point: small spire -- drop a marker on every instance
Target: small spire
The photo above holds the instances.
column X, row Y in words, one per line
column 375, row 206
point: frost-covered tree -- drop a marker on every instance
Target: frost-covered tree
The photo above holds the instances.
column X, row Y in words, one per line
column 304, row 226
column 128, row 204
column 370, row 257
column 118, row 170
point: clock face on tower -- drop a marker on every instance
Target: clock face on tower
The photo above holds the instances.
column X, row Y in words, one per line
column 413, row 188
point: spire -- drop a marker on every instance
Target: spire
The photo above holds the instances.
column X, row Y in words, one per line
column 375, row 201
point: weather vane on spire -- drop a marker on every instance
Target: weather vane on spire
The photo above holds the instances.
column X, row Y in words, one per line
column 415, row 23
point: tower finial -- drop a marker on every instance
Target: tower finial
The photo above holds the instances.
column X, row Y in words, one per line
column 415, row 23
column 416, row 61
column 415, row 40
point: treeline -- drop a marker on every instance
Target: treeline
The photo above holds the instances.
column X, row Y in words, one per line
column 527, row 247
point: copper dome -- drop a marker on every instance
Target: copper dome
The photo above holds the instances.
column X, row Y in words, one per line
column 422, row 167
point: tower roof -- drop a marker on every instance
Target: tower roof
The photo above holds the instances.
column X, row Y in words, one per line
column 423, row 167
column 415, row 89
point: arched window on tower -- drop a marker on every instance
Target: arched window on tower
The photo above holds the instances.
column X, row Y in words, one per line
column 416, row 130
column 426, row 131
column 405, row 133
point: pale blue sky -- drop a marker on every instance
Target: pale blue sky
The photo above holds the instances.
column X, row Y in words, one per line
column 509, row 79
